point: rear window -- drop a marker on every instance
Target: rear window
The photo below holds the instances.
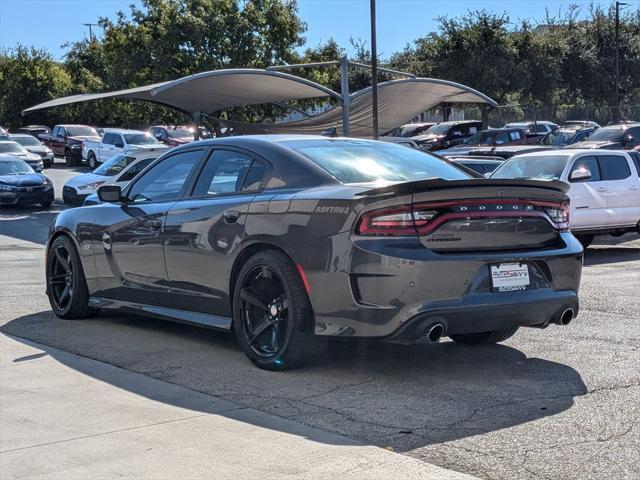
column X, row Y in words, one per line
column 543, row 167
column 353, row 161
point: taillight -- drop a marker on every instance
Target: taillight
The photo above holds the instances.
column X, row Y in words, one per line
column 394, row 221
column 422, row 219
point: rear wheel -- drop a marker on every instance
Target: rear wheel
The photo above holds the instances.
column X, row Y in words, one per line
column 585, row 240
column 484, row 338
column 66, row 284
column 272, row 315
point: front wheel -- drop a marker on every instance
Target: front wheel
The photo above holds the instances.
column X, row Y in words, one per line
column 272, row 315
column 66, row 284
column 484, row 338
column 68, row 160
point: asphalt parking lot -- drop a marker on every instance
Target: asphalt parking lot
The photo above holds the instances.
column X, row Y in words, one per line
column 560, row 403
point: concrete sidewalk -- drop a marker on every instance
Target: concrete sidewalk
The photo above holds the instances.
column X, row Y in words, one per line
column 69, row 417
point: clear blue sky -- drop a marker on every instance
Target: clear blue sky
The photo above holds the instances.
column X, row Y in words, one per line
column 51, row 23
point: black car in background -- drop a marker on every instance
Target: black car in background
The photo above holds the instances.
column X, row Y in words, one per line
column 21, row 185
column 567, row 135
column 285, row 238
column 447, row 134
column 625, row 136
column 479, row 164
column 34, row 130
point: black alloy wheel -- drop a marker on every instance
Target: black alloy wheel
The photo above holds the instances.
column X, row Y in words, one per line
column 272, row 314
column 66, row 284
column 67, row 158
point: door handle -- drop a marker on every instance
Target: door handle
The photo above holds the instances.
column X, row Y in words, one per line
column 602, row 189
column 231, row 216
column 633, row 187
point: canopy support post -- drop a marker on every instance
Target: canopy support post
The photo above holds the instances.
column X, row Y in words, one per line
column 196, row 117
column 346, row 100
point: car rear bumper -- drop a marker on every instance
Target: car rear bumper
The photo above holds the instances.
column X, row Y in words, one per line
column 394, row 288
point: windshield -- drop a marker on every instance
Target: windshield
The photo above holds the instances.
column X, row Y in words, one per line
column 607, row 134
column 140, row 139
column 542, row 167
column 480, row 138
column 11, row 147
column 180, row 133
column 82, row 132
column 440, row 129
column 559, row 137
column 27, row 141
column 113, row 166
column 15, row 167
column 364, row 162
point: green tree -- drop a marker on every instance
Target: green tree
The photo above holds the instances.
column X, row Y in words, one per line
column 29, row 76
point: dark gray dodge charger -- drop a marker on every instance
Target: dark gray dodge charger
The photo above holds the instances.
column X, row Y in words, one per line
column 284, row 239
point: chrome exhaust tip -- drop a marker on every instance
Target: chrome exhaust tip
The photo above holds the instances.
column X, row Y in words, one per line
column 435, row 332
column 566, row 317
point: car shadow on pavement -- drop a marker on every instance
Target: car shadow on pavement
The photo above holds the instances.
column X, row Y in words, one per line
column 611, row 254
column 388, row 395
column 29, row 223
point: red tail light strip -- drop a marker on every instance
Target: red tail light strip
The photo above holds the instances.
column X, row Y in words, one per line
column 404, row 225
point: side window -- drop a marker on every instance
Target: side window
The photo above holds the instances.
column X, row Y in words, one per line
column 541, row 128
column 224, row 172
column 166, row 180
column 580, row 136
column 255, row 176
column 635, row 156
column 616, row 167
column 502, row 138
column 108, row 139
column 586, row 163
column 118, row 140
column 134, row 170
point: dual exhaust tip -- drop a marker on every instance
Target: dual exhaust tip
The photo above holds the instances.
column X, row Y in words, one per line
column 436, row 331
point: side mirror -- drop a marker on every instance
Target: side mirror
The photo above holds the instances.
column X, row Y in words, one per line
column 110, row 193
column 580, row 175
column 119, row 145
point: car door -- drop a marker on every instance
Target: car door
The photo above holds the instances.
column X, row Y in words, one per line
column 58, row 141
column 204, row 230
column 588, row 196
column 130, row 257
column 118, row 144
column 623, row 195
column 107, row 147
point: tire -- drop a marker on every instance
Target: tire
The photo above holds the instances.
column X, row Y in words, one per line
column 67, row 158
column 484, row 338
column 269, row 281
column 75, row 303
column 585, row 240
column 92, row 161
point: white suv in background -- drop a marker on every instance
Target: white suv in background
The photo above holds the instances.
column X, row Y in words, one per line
column 605, row 187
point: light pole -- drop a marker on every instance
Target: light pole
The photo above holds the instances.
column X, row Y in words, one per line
column 374, row 70
column 616, row 118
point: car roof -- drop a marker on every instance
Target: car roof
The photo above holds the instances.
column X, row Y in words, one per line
column 8, row 141
column 477, row 160
column 21, row 135
column 122, row 130
column 569, row 152
column 5, row 157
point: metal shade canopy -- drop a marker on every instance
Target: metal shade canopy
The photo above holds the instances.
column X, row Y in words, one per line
column 398, row 102
column 209, row 92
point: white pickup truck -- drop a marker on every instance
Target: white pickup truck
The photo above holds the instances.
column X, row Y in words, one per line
column 118, row 141
column 605, row 187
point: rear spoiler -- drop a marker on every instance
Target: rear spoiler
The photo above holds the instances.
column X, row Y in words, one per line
column 439, row 183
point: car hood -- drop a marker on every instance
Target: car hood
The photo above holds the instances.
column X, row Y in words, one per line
column 427, row 138
column 29, row 180
column 81, row 138
column 149, row 148
column 26, row 156
column 38, row 149
column 594, row 144
column 85, row 179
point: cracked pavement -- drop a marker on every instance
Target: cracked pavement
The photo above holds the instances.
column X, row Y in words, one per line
column 561, row 403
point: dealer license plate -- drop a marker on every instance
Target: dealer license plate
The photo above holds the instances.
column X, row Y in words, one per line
column 509, row 276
